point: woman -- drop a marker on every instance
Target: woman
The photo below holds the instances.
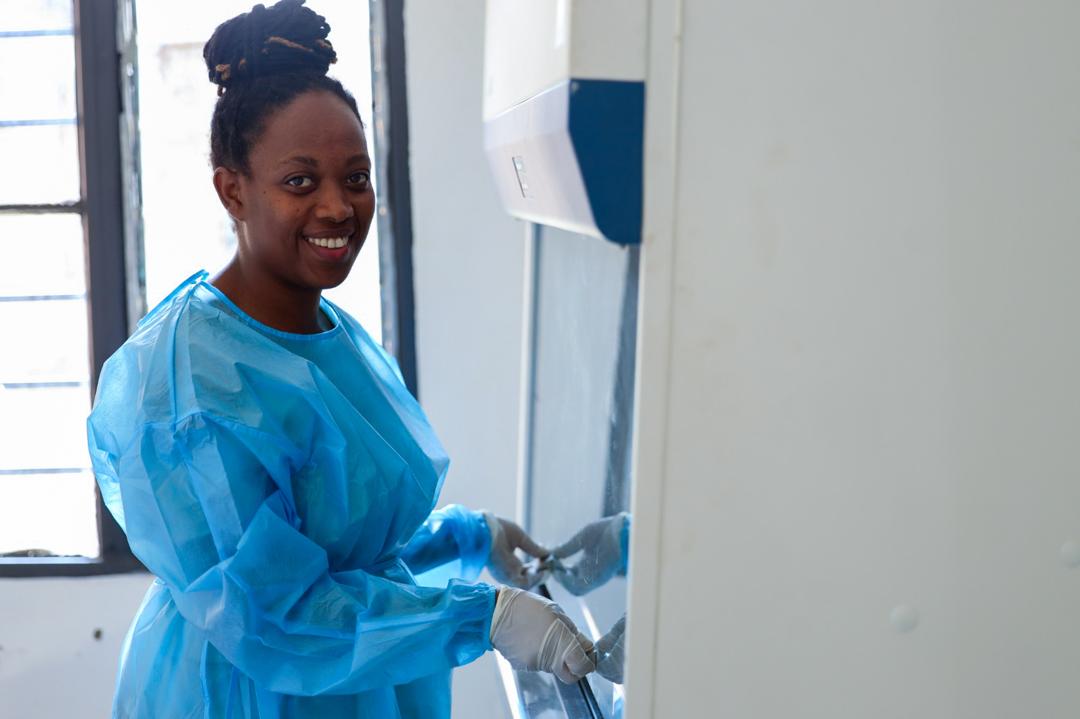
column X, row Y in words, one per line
column 265, row 460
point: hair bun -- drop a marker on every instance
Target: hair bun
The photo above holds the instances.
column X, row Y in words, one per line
column 285, row 38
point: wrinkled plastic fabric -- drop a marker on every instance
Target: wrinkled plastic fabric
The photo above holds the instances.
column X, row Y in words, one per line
column 453, row 543
column 275, row 483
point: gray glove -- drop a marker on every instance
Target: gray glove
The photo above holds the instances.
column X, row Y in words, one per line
column 610, row 653
column 600, row 544
column 503, row 563
column 534, row 634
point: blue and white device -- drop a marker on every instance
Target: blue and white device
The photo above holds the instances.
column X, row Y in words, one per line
column 564, row 112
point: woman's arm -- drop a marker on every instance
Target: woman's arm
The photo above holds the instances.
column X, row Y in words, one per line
column 202, row 512
column 452, row 533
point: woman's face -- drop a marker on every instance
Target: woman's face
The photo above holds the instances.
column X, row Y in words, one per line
column 307, row 205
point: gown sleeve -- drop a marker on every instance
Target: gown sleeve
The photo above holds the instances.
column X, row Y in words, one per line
column 207, row 508
column 452, row 534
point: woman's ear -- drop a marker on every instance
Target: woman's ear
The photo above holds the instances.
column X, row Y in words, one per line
column 227, row 184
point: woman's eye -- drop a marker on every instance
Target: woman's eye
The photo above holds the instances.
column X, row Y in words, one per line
column 358, row 178
column 301, row 181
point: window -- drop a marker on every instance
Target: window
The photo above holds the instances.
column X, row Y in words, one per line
column 65, row 247
column 48, row 504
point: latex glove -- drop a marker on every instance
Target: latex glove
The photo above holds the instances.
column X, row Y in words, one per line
column 610, row 653
column 600, row 544
column 503, row 563
column 534, row 634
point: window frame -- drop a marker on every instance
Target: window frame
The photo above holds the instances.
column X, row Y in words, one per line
column 394, row 200
column 104, row 209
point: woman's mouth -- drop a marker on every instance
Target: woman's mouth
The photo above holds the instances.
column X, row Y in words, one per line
column 330, row 248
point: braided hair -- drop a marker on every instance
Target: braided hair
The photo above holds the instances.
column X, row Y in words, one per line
column 261, row 60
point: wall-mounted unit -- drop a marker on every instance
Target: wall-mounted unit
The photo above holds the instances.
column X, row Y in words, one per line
column 564, row 109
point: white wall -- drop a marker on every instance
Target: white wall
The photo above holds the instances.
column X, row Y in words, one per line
column 468, row 258
column 858, row 370
column 468, row 264
column 51, row 662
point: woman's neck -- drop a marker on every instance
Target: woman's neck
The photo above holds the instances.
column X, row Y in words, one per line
column 276, row 304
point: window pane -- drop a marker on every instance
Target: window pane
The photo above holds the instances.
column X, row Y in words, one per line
column 47, row 499
column 53, row 512
column 22, row 15
column 43, row 428
column 26, row 269
column 44, row 342
column 41, row 164
column 46, row 93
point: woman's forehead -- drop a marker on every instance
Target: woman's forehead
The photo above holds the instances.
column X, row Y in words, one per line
column 316, row 125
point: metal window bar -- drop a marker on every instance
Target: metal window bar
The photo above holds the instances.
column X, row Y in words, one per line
column 61, row 32
column 41, row 298
column 44, row 385
column 44, row 122
column 43, row 209
column 394, row 217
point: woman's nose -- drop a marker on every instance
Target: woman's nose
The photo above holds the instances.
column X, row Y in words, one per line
column 334, row 205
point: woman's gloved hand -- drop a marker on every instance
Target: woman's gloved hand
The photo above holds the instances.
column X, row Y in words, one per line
column 534, row 634
column 503, row 563
column 610, row 653
column 601, row 547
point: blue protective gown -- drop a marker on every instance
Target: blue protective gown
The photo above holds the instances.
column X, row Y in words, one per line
column 281, row 488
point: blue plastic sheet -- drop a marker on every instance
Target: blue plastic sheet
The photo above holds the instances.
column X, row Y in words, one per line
column 278, row 485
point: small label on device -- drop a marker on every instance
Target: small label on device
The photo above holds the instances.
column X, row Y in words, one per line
column 519, row 170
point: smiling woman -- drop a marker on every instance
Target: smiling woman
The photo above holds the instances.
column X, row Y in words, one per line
column 268, row 464
column 291, row 164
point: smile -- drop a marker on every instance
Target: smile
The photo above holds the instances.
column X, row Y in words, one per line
column 332, row 243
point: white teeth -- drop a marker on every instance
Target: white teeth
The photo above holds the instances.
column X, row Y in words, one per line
column 333, row 243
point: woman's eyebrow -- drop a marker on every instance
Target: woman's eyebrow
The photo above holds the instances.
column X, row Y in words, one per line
column 312, row 162
column 302, row 160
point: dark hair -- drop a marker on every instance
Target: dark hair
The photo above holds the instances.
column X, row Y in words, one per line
column 260, row 61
